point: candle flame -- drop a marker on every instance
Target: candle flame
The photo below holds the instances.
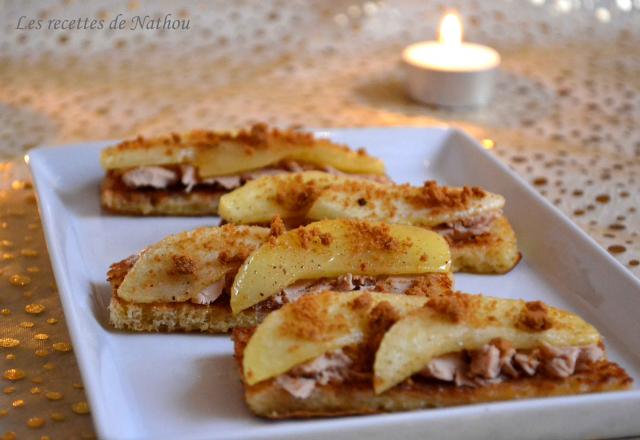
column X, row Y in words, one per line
column 450, row 30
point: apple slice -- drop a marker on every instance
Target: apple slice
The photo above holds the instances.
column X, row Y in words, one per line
column 467, row 322
column 230, row 158
column 180, row 266
column 427, row 205
column 220, row 153
column 312, row 326
column 331, row 248
column 287, row 195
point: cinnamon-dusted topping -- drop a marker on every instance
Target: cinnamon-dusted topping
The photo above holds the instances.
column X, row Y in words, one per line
column 535, row 317
column 374, row 236
column 277, row 227
column 326, row 239
column 232, row 234
column 431, row 195
column 183, row 265
column 258, row 135
column 366, row 193
column 238, row 257
column 426, row 286
column 363, row 302
column 117, row 271
column 297, row 195
column 308, row 320
column 381, row 318
column 310, row 235
column 454, row 306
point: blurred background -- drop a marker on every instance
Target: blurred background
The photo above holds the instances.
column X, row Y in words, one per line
column 565, row 116
column 566, row 113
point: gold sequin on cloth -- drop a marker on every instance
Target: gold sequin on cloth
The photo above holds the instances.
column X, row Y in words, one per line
column 565, row 117
column 38, row 365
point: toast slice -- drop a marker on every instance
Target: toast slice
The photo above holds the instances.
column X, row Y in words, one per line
column 345, row 374
column 118, row 198
column 186, row 174
column 203, row 280
column 470, row 218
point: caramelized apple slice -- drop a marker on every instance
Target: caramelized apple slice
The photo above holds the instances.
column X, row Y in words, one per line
column 331, row 248
column 220, row 153
column 287, row 195
column 312, row 326
column 229, row 158
column 182, row 265
column 467, row 322
column 428, row 205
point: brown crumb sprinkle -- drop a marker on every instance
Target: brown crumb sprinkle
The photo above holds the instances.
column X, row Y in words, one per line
column 257, row 136
column 309, row 319
column 381, row 318
column 238, row 257
column 277, row 227
column 311, row 234
column 183, row 265
column 431, row 195
column 535, row 317
column 374, row 236
column 454, row 307
column 296, row 195
column 363, row 302
column 426, row 286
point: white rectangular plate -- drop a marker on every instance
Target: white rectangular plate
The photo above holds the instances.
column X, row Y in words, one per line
column 186, row 385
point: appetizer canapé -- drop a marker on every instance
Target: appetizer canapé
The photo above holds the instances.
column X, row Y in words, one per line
column 217, row 278
column 367, row 352
column 185, row 174
column 470, row 218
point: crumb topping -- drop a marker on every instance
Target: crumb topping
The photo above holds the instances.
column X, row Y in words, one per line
column 296, row 195
column 426, row 286
column 310, row 235
column 258, row 136
column 366, row 236
column 276, row 228
column 241, row 253
column 362, row 303
column 183, row 265
column 454, row 306
column 431, row 195
column 381, row 318
column 309, row 320
column 535, row 317
column 374, row 200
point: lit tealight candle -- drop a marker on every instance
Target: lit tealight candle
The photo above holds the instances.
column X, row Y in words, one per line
column 450, row 72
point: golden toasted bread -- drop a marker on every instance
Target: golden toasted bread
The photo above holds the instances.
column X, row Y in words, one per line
column 117, row 198
column 363, row 353
column 494, row 251
column 271, row 401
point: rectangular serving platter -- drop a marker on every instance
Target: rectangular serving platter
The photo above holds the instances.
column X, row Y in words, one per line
column 186, row 385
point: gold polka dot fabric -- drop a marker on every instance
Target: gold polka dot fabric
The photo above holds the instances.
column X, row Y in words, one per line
column 565, row 116
column 37, row 364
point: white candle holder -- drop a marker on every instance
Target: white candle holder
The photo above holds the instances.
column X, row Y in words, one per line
column 449, row 72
